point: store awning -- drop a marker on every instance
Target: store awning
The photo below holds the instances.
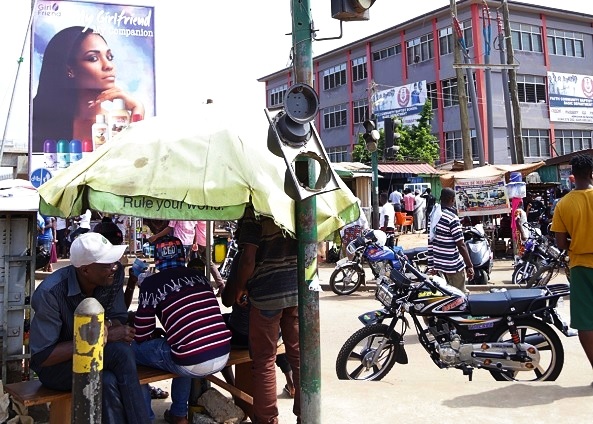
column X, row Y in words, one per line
column 406, row 168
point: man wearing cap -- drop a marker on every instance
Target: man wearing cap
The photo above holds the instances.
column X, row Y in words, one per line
column 91, row 274
column 197, row 341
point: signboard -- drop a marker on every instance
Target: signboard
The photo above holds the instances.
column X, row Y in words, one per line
column 405, row 102
column 481, row 196
column 88, row 59
column 571, row 97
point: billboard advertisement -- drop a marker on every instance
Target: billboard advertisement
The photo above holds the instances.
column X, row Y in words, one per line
column 571, row 97
column 405, row 102
column 481, row 196
column 92, row 73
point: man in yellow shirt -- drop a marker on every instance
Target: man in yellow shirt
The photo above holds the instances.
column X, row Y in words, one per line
column 572, row 215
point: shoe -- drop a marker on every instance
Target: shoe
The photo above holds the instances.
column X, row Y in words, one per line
column 157, row 393
column 288, row 391
column 174, row 419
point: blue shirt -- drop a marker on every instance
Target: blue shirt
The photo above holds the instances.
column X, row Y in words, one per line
column 54, row 302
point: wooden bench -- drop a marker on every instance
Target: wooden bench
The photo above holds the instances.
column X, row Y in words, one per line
column 31, row 393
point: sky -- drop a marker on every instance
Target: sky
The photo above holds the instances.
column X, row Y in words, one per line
column 212, row 50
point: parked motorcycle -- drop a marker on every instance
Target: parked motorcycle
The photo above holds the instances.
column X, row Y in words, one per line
column 508, row 333
column 231, row 251
column 480, row 253
column 370, row 248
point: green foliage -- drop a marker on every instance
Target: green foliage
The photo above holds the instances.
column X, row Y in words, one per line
column 416, row 142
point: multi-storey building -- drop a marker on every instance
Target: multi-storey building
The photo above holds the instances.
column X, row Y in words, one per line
column 547, row 43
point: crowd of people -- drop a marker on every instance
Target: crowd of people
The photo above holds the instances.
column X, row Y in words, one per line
column 412, row 203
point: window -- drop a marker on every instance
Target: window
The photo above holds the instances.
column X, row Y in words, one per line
column 334, row 116
column 526, row 37
column 450, row 94
column 568, row 141
column 334, row 77
column 447, row 40
column 432, row 95
column 454, row 145
column 277, row 95
column 565, row 43
column 531, row 88
column 359, row 69
column 338, row 154
column 387, row 52
column 536, row 143
column 420, row 49
column 360, row 110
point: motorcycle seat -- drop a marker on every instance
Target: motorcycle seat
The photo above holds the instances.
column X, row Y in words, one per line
column 414, row 251
column 514, row 301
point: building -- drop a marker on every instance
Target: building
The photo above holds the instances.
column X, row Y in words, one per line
column 553, row 49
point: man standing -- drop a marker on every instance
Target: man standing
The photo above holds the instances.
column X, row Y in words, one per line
column 430, row 202
column 92, row 274
column 395, row 198
column 447, row 252
column 386, row 215
column 409, row 202
column 571, row 217
column 267, row 274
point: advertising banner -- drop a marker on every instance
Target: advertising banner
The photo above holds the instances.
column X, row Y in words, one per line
column 571, row 97
column 481, row 196
column 405, row 102
column 92, row 73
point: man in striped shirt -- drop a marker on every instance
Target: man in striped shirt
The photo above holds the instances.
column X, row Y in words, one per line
column 447, row 252
column 197, row 341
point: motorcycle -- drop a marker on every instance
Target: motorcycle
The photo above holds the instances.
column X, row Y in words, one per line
column 370, row 248
column 540, row 261
column 231, row 251
column 508, row 333
column 480, row 253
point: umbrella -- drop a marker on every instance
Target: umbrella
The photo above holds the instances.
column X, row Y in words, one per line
column 187, row 168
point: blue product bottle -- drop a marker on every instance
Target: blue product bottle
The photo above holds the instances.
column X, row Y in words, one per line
column 63, row 153
column 75, row 151
column 49, row 154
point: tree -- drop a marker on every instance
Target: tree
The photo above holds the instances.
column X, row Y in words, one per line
column 416, row 142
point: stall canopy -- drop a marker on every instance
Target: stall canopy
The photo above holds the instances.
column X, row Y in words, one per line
column 448, row 180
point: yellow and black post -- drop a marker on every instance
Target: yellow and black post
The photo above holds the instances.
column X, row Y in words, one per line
column 87, row 364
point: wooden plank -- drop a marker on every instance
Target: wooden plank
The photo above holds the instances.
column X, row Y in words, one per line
column 33, row 393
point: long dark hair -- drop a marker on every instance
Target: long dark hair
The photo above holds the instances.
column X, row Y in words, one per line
column 54, row 105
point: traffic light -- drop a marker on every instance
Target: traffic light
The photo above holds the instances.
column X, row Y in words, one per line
column 389, row 137
column 371, row 136
column 351, row 10
column 293, row 136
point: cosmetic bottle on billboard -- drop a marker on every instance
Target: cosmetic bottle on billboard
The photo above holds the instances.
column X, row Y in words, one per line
column 99, row 131
column 87, row 147
column 119, row 117
column 63, row 149
column 75, row 150
column 136, row 117
column 50, row 159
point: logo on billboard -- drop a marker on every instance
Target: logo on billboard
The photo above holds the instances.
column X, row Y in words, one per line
column 587, row 85
column 403, row 96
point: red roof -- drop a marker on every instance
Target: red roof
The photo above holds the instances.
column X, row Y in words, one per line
column 407, row 168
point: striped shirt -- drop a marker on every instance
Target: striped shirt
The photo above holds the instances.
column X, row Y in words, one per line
column 186, row 306
column 443, row 254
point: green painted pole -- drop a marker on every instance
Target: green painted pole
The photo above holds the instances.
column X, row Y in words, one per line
column 375, row 194
column 306, row 231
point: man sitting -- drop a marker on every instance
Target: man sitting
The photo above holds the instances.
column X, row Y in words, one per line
column 94, row 264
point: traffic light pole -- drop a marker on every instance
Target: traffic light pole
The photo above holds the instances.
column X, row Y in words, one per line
column 306, row 231
column 375, row 193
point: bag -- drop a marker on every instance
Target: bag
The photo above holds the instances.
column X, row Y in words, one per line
column 42, row 257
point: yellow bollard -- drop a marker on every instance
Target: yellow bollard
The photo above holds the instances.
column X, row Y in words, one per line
column 87, row 364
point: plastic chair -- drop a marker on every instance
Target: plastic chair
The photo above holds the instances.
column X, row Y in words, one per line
column 403, row 221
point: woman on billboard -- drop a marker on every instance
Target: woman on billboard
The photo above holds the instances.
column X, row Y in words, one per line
column 77, row 74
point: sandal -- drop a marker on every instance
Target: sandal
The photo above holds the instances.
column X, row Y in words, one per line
column 288, row 391
column 157, row 393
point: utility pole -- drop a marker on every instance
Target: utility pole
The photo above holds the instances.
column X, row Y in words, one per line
column 306, row 231
column 468, row 161
column 518, row 139
column 487, row 30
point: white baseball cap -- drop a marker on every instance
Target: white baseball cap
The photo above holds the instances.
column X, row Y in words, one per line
column 91, row 248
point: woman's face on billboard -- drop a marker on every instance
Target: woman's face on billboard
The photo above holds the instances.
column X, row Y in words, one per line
column 93, row 66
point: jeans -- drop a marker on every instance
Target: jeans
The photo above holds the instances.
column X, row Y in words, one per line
column 264, row 327
column 122, row 395
column 157, row 353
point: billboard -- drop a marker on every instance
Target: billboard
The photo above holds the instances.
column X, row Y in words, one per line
column 405, row 102
column 92, row 71
column 481, row 196
column 571, row 97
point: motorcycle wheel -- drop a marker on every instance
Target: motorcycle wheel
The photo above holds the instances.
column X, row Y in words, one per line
column 480, row 278
column 548, row 344
column 354, row 359
column 346, row 280
column 543, row 276
column 523, row 273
